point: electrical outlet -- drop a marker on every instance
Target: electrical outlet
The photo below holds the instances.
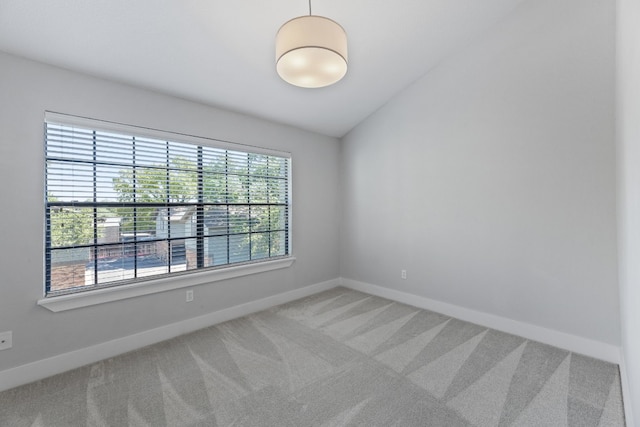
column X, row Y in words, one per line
column 403, row 274
column 189, row 295
column 6, row 340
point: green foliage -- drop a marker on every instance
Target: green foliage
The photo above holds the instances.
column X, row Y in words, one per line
column 237, row 182
column 153, row 185
column 71, row 226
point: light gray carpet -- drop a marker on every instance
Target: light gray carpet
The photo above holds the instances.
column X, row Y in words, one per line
column 338, row 358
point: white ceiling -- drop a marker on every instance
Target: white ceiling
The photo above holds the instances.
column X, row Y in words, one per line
column 221, row 53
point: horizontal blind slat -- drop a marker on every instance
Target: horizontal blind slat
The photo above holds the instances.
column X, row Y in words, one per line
column 123, row 207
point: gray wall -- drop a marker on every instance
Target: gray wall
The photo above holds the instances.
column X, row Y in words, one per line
column 27, row 89
column 492, row 179
column 628, row 126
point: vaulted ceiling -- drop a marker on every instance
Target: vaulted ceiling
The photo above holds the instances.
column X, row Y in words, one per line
column 221, row 53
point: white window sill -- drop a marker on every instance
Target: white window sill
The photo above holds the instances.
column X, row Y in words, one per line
column 100, row 296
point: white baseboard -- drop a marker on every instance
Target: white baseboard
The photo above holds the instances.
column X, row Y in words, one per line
column 574, row 343
column 626, row 393
column 44, row 368
column 61, row 363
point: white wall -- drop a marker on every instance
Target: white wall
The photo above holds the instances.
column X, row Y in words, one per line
column 628, row 127
column 492, row 179
column 27, row 89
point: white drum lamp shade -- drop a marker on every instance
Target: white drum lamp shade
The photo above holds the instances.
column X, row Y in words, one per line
column 311, row 51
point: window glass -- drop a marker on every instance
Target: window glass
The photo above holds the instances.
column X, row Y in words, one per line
column 122, row 208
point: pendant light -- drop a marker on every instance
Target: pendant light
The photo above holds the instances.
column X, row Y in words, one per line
column 311, row 51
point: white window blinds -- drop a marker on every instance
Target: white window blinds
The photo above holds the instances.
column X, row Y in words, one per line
column 123, row 206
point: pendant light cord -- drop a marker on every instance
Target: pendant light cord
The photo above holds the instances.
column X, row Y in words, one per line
column 309, row 7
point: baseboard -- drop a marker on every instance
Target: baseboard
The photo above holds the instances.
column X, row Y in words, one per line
column 40, row 369
column 574, row 343
column 626, row 393
column 61, row 363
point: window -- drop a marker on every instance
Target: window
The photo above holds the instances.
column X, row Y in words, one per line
column 126, row 204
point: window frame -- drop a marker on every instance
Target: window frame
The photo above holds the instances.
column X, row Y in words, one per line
column 127, row 288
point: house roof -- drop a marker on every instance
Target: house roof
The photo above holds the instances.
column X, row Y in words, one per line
column 212, row 217
column 178, row 214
